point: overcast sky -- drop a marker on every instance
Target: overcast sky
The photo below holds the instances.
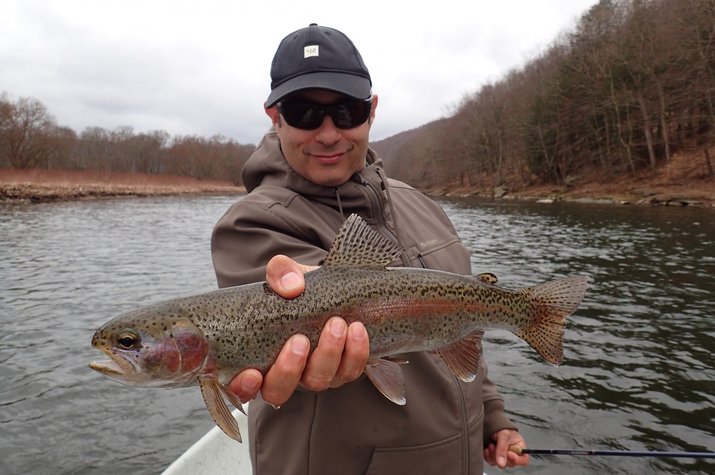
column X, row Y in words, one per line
column 202, row 67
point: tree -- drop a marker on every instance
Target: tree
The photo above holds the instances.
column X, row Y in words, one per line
column 213, row 158
column 25, row 126
column 632, row 85
column 93, row 150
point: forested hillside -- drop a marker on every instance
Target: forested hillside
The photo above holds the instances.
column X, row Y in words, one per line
column 630, row 87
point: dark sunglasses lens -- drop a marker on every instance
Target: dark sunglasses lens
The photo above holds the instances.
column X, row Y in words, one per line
column 310, row 116
column 350, row 114
column 302, row 116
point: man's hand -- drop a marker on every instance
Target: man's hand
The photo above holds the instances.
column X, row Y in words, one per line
column 497, row 452
column 339, row 358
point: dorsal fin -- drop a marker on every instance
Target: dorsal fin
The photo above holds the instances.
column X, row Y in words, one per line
column 359, row 245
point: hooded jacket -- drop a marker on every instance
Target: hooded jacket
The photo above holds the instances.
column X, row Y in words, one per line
column 354, row 429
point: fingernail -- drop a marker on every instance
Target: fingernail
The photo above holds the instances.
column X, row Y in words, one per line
column 337, row 327
column 299, row 345
column 290, row 281
column 357, row 331
column 501, row 461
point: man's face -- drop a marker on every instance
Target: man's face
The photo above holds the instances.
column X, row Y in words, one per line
column 327, row 156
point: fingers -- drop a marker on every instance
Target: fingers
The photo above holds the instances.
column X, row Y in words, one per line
column 246, row 384
column 340, row 356
column 325, row 360
column 514, row 460
column 501, row 448
column 283, row 377
column 490, row 453
column 355, row 355
column 285, row 276
column 497, row 453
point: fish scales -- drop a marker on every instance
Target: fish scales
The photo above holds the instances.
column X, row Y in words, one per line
column 248, row 325
column 207, row 339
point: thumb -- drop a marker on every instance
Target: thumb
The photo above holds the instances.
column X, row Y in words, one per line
column 285, row 276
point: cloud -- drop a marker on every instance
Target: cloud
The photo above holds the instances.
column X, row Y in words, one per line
column 202, row 68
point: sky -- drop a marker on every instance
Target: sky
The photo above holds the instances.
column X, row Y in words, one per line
column 203, row 67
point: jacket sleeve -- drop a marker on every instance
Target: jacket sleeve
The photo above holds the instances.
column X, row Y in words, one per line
column 495, row 418
column 248, row 236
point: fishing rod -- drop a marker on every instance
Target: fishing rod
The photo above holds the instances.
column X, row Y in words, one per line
column 612, row 453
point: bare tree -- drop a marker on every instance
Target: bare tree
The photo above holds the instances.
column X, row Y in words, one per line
column 24, row 127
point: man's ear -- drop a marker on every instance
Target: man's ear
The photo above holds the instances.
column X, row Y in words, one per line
column 273, row 113
column 372, row 109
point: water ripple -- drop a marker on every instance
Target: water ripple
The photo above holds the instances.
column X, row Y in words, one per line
column 639, row 370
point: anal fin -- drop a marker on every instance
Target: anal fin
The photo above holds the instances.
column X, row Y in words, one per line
column 212, row 392
column 387, row 377
column 462, row 356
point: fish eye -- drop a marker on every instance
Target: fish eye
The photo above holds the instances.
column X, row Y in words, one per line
column 128, row 341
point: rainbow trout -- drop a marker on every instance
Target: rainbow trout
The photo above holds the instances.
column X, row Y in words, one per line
column 207, row 339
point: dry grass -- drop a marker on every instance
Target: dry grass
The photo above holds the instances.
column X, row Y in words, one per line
column 683, row 182
column 56, row 185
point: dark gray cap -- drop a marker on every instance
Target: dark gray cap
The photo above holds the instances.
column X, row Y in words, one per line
column 318, row 57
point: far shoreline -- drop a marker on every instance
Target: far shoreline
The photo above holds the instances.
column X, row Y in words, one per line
column 649, row 190
column 41, row 186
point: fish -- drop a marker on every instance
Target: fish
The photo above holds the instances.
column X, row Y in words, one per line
column 208, row 338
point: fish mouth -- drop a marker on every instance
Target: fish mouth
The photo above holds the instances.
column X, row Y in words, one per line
column 114, row 367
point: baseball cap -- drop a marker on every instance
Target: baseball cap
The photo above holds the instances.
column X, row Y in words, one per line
column 318, row 57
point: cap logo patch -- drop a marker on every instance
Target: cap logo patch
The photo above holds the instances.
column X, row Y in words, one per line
column 310, row 50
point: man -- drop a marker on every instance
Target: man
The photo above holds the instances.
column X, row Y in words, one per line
column 311, row 171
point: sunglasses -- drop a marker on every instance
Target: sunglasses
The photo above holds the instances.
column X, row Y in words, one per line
column 309, row 116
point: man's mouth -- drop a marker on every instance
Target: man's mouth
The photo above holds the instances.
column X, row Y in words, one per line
column 328, row 159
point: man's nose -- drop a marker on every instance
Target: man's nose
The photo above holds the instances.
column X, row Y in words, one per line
column 327, row 133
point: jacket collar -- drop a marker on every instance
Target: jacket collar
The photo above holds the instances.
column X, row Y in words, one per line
column 268, row 167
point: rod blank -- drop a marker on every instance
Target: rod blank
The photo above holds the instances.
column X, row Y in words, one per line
column 612, row 453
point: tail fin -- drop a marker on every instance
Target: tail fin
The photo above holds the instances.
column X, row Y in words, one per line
column 551, row 303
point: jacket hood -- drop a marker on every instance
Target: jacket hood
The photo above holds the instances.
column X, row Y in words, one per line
column 268, row 167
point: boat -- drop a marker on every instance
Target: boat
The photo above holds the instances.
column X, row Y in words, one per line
column 215, row 454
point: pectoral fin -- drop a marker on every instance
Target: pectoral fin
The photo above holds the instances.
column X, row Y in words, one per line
column 388, row 379
column 233, row 399
column 462, row 356
column 213, row 397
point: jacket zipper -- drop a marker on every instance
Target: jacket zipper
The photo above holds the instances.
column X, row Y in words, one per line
column 376, row 203
column 422, row 262
column 373, row 196
column 465, row 429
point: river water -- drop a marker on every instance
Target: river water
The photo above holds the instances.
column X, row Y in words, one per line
column 638, row 374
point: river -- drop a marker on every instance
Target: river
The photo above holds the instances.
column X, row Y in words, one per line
column 638, row 373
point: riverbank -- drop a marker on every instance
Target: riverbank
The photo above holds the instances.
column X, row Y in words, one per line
column 698, row 193
column 684, row 182
column 656, row 189
column 62, row 185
